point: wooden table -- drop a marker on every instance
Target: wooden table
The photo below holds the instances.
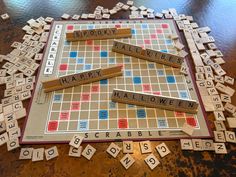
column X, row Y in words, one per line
column 218, row 15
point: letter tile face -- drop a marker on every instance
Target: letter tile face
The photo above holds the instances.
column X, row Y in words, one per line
column 26, row 153
column 230, row 136
column 145, row 147
column 3, row 138
column 219, row 136
column 128, row 147
column 186, row 144
column 208, row 145
column 197, row 145
column 88, row 152
column 152, row 161
column 220, row 148
column 13, row 144
column 127, row 161
column 113, row 150
column 76, row 141
column 51, row 153
column 74, row 152
column 148, row 100
column 162, row 149
column 38, row 154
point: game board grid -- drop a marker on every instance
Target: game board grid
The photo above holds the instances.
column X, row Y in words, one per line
column 67, row 60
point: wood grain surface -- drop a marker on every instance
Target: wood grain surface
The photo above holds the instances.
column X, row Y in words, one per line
column 219, row 15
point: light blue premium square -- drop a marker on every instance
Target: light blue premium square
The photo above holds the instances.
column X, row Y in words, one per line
column 112, row 61
column 83, row 125
column 128, row 73
column 151, row 65
column 162, row 123
column 87, row 67
column 80, row 60
column 57, row 97
column 183, row 94
column 144, row 26
column 160, row 72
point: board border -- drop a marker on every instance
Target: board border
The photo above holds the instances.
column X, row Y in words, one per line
column 187, row 58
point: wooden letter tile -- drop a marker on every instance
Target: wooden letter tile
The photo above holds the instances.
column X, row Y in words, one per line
column 2, row 128
column 162, row 149
column 219, row 136
column 229, row 80
column 38, row 154
column 127, row 161
column 76, row 141
column 3, row 138
column 208, row 145
column 220, row 148
column 219, row 125
column 26, row 153
column 230, row 108
column 88, row 152
column 152, row 161
column 188, row 129
column 225, row 98
column 128, row 147
column 145, row 147
column 14, row 133
column 219, row 115
column 12, row 124
column 74, row 152
column 113, row 150
column 230, row 136
column 231, row 122
column 51, row 153
column 13, row 144
column 197, row 144
column 186, row 144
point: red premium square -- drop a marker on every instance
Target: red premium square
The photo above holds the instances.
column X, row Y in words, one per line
column 153, row 36
column 191, row 121
column 123, row 123
column 75, row 106
column 159, row 31
column 179, row 114
column 63, row 67
column 70, row 27
column 147, row 41
column 95, row 88
column 85, row 96
column 89, row 42
column 117, row 26
column 64, row 115
column 165, row 25
column 146, row 87
column 97, row 48
column 52, row 126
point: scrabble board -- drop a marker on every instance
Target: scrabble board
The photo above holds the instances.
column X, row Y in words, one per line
column 88, row 110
